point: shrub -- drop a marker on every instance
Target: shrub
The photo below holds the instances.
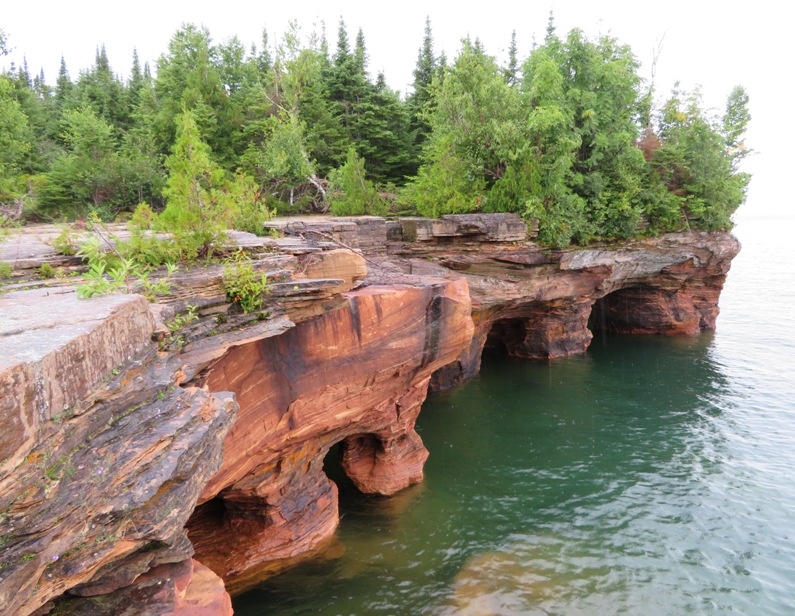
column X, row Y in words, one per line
column 242, row 284
column 350, row 193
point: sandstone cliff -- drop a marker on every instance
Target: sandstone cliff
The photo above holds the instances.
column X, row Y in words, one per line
column 138, row 472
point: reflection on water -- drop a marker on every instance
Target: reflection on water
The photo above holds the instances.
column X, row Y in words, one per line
column 651, row 475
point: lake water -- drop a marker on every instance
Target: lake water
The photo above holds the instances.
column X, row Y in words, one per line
column 652, row 475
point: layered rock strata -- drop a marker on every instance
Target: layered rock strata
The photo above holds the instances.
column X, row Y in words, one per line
column 356, row 375
column 146, row 457
column 105, row 456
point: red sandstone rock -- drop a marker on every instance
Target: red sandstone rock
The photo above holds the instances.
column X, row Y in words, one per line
column 538, row 305
column 55, row 349
column 95, row 498
column 185, row 588
column 200, row 594
column 358, row 375
column 99, row 492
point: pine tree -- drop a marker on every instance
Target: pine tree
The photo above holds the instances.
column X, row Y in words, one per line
column 477, row 135
column 510, row 71
column 188, row 78
column 15, row 139
column 350, row 192
column 194, row 212
column 360, row 53
column 735, row 122
column 424, row 73
column 264, row 59
column 384, row 136
column 135, row 83
column 101, row 90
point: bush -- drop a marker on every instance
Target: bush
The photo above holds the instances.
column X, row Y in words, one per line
column 242, row 284
column 350, row 193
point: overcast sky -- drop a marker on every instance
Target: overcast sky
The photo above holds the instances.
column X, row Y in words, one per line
column 706, row 43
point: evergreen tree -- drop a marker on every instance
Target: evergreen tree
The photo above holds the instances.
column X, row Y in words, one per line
column 188, row 78
column 202, row 202
column 101, row 90
column 15, row 139
column 510, row 71
column 424, row 73
column 360, row 53
column 195, row 211
column 350, row 192
column 63, row 85
column 695, row 164
column 85, row 175
column 384, row 138
column 735, row 122
column 23, row 75
column 477, row 135
column 347, row 87
column 596, row 99
column 264, row 59
column 135, row 84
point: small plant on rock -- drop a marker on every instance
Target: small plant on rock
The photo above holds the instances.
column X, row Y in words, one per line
column 242, row 284
column 67, row 242
column 176, row 340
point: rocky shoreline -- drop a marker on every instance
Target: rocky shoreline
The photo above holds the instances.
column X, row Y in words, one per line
column 141, row 477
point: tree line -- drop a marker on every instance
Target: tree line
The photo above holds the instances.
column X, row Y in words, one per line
column 571, row 136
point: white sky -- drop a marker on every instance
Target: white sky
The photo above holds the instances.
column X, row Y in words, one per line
column 706, row 43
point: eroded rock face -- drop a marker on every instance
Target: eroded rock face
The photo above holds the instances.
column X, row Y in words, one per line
column 185, row 588
column 98, row 486
column 55, row 350
column 542, row 304
column 111, row 450
column 359, row 375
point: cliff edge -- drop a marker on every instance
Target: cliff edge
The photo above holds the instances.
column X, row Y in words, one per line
column 145, row 472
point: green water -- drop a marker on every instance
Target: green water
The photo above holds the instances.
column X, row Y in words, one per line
column 651, row 475
column 597, row 484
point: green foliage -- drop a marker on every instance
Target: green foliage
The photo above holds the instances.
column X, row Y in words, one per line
column 15, row 142
column 115, row 266
column 570, row 136
column 280, row 164
column 47, row 271
column 696, row 160
column 150, row 289
column 445, row 186
column 244, row 200
column 583, row 97
column 143, row 217
column 477, row 135
column 176, row 327
column 105, row 274
column 94, row 173
column 5, row 270
column 242, row 284
column 202, row 201
column 734, row 124
column 66, row 243
column 422, row 96
column 350, row 192
column 188, row 77
column 143, row 244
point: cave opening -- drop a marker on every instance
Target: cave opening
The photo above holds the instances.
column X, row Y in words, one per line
column 503, row 337
column 351, row 500
column 616, row 312
column 332, row 466
column 598, row 322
